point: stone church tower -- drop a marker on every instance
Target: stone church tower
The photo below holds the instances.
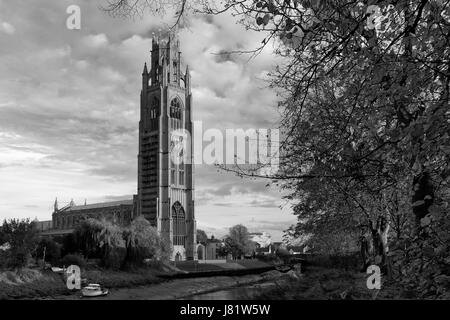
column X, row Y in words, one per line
column 166, row 187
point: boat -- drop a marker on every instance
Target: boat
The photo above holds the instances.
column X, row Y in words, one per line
column 283, row 268
column 57, row 270
column 94, row 290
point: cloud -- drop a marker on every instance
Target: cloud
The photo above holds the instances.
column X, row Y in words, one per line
column 69, row 108
column 95, row 41
column 7, row 28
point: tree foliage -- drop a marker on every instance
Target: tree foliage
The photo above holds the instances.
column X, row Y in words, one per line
column 143, row 242
column 118, row 246
column 364, row 97
column 48, row 249
column 201, row 236
column 237, row 242
column 22, row 238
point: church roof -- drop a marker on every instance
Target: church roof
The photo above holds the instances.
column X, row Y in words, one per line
column 100, row 205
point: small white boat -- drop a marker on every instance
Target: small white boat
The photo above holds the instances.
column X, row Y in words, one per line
column 94, row 290
column 57, row 270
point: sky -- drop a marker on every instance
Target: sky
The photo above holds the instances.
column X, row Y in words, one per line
column 69, row 110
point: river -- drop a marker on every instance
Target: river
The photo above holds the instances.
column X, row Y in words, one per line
column 218, row 287
column 246, row 292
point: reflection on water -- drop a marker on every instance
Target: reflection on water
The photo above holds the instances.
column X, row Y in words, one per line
column 238, row 293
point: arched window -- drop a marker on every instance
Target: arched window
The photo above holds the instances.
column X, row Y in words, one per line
column 156, row 70
column 175, row 109
column 154, row 108
column 179, row 224
column 175, row 71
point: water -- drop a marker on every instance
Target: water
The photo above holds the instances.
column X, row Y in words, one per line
column 237, row 293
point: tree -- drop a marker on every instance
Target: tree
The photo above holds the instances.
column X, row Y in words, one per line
column 143, row 242
column 131, row 9
column 201, row 236
column 237, row 241
column 69, row 244
column 50, row 248
column 364, row 92
column 22, row 238
column 111, row 244
column 364, row 99
column 87, row 235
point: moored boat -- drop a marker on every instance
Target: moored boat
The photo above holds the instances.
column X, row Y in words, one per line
column 94, row 290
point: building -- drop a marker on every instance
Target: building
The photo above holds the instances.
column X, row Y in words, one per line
column 210, row 250
column 165, row 192
column 165, row 186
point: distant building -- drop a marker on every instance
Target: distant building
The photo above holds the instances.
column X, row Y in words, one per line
column 295, row 249
column 210, row 249
column 43, row 226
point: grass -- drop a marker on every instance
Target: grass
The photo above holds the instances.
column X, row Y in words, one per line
column 123, row 279
column 252, row 263
column 38, row 284
column 34, row 284
column 320, row 283
column 192, row 266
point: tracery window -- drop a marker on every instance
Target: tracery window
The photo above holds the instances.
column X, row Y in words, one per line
column 175, row 71
column 154, row 108
column 175, row 109
column 179, row 224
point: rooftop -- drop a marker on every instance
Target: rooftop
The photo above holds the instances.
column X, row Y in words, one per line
column 99, row 205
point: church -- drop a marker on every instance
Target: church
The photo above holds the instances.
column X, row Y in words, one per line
column 165, row 188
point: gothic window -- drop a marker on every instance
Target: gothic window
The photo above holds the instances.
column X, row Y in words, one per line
column 175, row 71
column 156, row 72
column 181, row 176
column 172, row 176
column 175, row 109
column 154, row 108
column 179, row 224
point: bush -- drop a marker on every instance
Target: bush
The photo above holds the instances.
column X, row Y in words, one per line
column 114, row 258
column 22, row 237
column 69, row 244
column 349, row 261
column 52, row 250
column 73, row 259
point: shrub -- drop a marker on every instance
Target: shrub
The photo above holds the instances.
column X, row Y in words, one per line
column 114, row 259
column 73, row 259
column 22, row 237
column 69, row 244
column 51, row 248
column 349, row 261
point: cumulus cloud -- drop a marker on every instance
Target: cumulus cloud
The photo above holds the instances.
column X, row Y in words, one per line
column 69, row 109
column 7, row 28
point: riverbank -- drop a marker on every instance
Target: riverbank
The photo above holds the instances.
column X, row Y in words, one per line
column 319, row 283
column 184, row 288
column 136, row 284
column 38, row 284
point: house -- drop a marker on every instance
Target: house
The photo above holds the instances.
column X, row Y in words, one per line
column 210, row 249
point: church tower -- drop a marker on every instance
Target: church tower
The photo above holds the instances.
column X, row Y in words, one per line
column 165, row 186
